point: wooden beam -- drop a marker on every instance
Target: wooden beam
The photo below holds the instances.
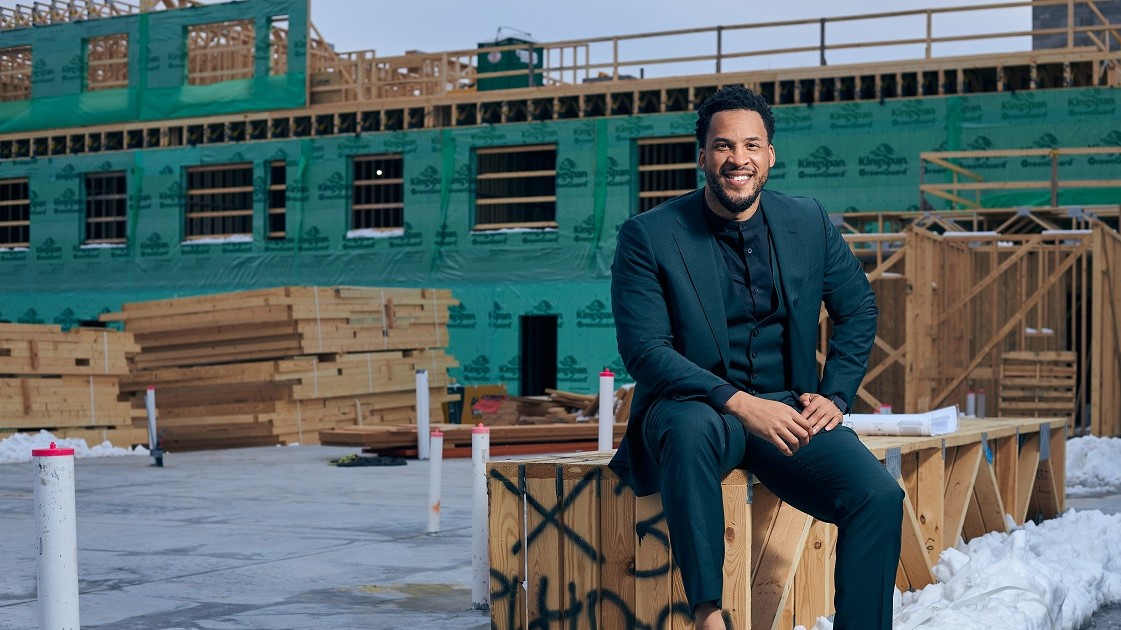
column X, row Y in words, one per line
column 913, row 557
column 781, row 551
column 1027, row 465
column 962, row 463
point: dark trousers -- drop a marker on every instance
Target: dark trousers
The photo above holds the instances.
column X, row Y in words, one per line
column 834, row 478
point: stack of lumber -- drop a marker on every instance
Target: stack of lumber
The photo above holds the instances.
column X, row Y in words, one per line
column 556, row 407
column 276, row 366
column 66, row 382
column 284, row 322
column 520, row 425
column 504, row 440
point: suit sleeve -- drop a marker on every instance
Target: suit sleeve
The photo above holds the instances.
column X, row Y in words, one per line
column 640, row 305
column 851, row 304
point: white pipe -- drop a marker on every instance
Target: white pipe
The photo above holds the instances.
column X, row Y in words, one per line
column 434, row 470
column 606, row 409
column 150, row 403
column 422, row 414
column 58, row 538
column 480, row 553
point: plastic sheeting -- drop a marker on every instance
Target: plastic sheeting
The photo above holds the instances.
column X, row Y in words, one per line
column 853, row 156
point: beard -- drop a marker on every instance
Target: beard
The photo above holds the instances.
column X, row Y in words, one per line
column 735, row 205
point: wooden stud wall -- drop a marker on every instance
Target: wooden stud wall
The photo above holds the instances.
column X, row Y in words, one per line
column 107, row 62
column 1105, row 371
column 953, row 305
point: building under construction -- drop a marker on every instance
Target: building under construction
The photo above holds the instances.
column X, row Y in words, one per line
column 176, row 149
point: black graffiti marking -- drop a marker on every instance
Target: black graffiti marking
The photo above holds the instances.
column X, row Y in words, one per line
column 509, row 589
column 592, row 606
column 549, row 515
column 649, row 527
column 596, row 601
column 620, row 486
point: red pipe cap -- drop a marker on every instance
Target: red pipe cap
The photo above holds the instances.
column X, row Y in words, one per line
column 53, row 451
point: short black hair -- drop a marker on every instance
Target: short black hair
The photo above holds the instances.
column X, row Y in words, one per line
column 732, row 97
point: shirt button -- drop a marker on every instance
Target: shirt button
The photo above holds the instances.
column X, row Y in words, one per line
column 755, row 333
column 754, row 354
column 749, row 250
column 754, row 375
column 755, row 289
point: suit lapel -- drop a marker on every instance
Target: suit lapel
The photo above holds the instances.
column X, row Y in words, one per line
column 790, row 253
column 698, row 255
column 787, row 245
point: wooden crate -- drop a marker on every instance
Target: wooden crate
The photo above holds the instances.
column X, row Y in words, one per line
column 593, row 555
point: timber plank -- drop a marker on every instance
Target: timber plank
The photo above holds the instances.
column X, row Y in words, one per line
column 506, row 546
column 964, row 464
column 774, row 578
column 1028, row 464
column 652, row 562
column 913, row 556
column 737, row 553
column 617, row 544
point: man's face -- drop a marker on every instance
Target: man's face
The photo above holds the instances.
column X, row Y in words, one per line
column 736, row 159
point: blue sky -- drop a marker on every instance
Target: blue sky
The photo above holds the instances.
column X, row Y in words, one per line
column 391, row 28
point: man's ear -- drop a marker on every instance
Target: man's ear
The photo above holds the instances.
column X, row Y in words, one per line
column 701, row 158
column 771, row 147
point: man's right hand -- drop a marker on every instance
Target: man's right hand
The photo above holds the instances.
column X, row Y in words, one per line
column 771, row 420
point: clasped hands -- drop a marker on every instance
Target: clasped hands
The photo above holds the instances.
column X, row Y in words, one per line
column 782, row 425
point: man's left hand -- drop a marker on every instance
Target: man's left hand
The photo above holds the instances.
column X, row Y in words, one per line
column 820, row 411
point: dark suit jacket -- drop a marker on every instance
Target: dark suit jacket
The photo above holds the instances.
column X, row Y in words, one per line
column 669, row 314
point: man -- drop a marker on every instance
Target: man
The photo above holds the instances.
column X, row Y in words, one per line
column 716, row 296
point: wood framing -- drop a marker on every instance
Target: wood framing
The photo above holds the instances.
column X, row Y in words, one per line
column 970, row 194
column 974, row 297
column 349, row 92
column 1105, row 370
column 594, row 556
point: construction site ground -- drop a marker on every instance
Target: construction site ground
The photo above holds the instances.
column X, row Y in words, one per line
column 266, row 538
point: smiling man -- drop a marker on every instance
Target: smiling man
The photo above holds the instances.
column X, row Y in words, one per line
column 716, row 296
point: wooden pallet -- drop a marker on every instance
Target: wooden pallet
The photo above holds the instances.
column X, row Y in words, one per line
column 1038, row 384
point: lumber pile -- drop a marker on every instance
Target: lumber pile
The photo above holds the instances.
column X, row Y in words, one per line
column 284, row 322
column 556, row 407
column 520, row 425
column 277, row 366
column 66, row 382
column 504, row 440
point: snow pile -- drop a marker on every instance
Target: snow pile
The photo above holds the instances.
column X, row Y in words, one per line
column 1037, row 577
column 17, row 447
column 1048, row 576
column 1092, row 466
